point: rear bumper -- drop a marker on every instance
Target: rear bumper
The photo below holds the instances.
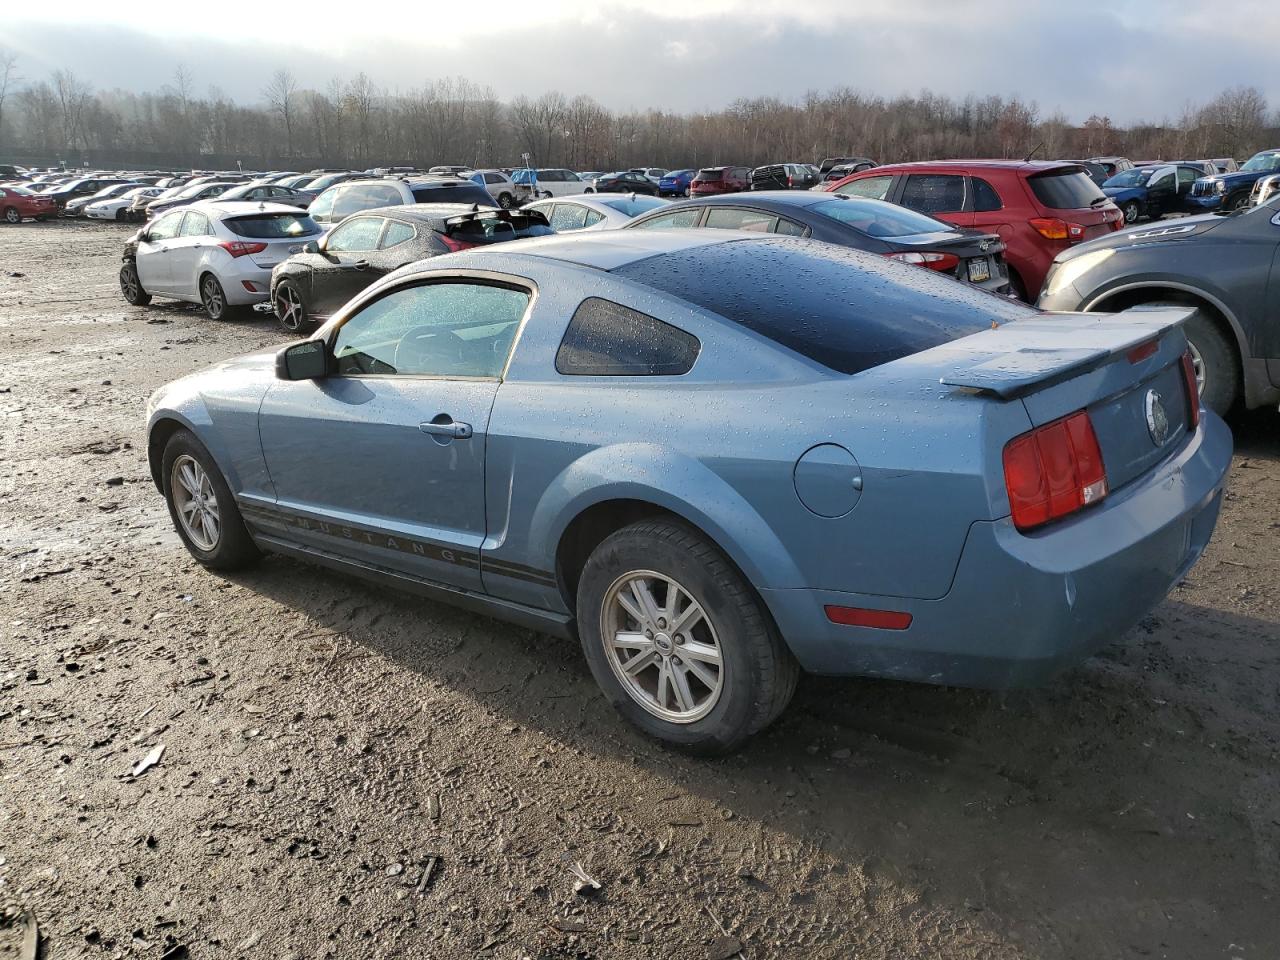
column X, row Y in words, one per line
column 1023, row 607
column 233, row 277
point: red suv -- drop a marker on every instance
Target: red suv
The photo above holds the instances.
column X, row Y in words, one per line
column 1038, row 208
column 712, row 180
column 19, row 202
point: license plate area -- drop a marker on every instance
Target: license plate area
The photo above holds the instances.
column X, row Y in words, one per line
column 979, row 270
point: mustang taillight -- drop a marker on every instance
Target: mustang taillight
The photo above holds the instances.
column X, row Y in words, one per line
column 1054, row 470
column 240, row 248
column 1193, row 390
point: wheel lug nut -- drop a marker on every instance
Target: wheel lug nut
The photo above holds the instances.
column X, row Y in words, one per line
column 661, row 623
column 648, row 634
column 679, row 638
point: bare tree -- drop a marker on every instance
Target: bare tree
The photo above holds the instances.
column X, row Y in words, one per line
column 8, row 80
column 72, row 94
column 281, row 93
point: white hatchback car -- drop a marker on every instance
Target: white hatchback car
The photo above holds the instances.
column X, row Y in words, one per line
column 217, row 254
column 120, row 207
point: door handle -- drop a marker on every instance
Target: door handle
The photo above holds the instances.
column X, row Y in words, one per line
column 361, row 265
column 446, row 426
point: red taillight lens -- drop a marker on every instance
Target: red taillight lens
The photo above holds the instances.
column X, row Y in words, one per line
column 1053, row 228
column 240, row 248
column 934, row 261
column 864, row 617
column 1053, row 471
column 1193, row 389
column 454, row 245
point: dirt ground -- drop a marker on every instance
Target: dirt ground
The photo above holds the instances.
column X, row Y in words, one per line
column 352, row 772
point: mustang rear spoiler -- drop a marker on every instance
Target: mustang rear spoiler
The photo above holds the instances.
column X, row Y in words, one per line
column 1027, row 355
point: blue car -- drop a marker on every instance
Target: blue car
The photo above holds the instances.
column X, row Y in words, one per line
column 717, row 459
column 1230, row 191
column 1149, row 192
column 676, row 183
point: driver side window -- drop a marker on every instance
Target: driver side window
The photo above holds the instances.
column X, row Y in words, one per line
column 166, row 228
column 356, row 234
column 451, row 329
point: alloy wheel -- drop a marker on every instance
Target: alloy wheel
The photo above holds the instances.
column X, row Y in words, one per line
column 12, row 215
column 213, row 297
column 662, row 646
column 289, row 308
column 129, row 283
column 196, row 503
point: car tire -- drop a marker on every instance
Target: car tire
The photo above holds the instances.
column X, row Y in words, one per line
column 1217, row 364
column 291, row 309
column 743, row 676
column 202, row 507
column 1017, row 286
column 1131, row 212
column 506, row 201
column 131, row 286
column 1238, row 202
column 122, row 215
column 12, row 215
column 213, row 297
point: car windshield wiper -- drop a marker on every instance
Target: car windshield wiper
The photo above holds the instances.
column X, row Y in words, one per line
column 1103, row 199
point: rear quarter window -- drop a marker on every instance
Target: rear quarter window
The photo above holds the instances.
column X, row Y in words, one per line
column 1069, row 188
column 844, row 309
column 606, row 339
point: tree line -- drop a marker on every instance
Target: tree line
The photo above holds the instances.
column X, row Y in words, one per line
column 356, row 123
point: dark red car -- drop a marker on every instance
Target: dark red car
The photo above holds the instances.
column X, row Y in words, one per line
column 1038, row 208
column 713, row 180
column 17, row 203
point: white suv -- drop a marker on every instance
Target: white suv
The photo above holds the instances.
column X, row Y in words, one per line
column 217, row 254
column 498, row 184
column 549, row 182
column 352, row 196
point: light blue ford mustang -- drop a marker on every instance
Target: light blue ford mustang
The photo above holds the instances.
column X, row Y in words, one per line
column 717, row 459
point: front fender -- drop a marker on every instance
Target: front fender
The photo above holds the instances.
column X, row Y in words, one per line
column 681, row 484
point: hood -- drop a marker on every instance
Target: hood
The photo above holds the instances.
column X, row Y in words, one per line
column 1161, row 231
column 1234, row 181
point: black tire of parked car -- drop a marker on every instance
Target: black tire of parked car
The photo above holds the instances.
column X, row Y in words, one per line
column 1221, row 363
column 131, row 286
column 1237, row 202
column 234, row 549
column 506, row 201
column 11, row 215
column 213, row 297
column 122, row 214
column 1131, row 212
column 291, row 309
column 759, row 672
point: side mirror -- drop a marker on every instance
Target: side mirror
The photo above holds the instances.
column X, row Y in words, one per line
column 305, row 360
column 311, row 246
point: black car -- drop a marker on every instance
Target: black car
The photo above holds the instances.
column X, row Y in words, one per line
column 311, row 285
column 784, row 176
column 1225, row 268
column 627, row 181
column 871, row 225
column 83, row 187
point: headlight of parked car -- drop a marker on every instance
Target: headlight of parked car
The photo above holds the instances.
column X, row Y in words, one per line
column 1065, row 274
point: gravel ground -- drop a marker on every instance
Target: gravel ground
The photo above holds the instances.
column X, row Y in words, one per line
column 352, row 772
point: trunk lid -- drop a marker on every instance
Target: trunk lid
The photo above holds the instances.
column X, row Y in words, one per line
column 1124, row 369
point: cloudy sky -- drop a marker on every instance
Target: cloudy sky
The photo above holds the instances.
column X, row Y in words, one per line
column 1131, row 60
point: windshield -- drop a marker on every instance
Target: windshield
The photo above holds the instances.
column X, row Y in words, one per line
column 1130, row 178
column 1263, row 163
column 876, row 218
column 273, row 226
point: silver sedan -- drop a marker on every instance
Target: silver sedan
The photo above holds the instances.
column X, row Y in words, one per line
column 601, row 211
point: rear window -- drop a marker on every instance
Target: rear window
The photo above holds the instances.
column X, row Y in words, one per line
column 454, row 193
column 1065, row 189
column 483, row 230
column 842, row 308
column 273, row 226
column 634, row 206
column 710, row 175
column 876, row 218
